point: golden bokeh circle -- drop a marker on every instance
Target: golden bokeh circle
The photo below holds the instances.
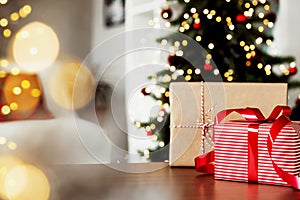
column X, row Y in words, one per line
column 26, row 182
column 22, row 93
column 35, row 47
column 72, row 85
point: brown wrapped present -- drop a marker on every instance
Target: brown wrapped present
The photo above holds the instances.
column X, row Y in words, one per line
column 194, row 105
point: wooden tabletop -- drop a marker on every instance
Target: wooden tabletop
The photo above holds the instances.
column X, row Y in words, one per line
column 153, row 181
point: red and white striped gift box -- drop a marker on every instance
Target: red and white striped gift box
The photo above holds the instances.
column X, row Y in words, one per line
column 232, row 152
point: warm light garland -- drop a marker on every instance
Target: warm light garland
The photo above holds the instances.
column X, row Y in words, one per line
column 14, row 17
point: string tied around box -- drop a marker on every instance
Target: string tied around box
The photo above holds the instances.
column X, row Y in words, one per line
column 204, row 123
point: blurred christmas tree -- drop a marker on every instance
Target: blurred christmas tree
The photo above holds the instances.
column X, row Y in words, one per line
column 237, row 36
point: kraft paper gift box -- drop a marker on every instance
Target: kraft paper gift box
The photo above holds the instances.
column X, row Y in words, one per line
column 248, row 150
column 190, row 101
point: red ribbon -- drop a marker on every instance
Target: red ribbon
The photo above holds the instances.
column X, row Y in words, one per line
column 279, row 119
column 253, row 152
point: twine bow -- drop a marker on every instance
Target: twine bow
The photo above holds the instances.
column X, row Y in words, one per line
column 202, row 124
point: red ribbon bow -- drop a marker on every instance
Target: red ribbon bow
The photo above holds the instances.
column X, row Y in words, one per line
column 279, row 118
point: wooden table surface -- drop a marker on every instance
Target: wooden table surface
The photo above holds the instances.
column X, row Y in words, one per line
column 97, row 182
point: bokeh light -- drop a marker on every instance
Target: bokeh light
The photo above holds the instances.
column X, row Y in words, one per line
column 7, row 162
column 72, row 85
column 26, row 182
column 22, row 93
column 35, row 46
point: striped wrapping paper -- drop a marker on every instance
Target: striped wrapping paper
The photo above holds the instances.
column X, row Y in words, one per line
column 231, row 152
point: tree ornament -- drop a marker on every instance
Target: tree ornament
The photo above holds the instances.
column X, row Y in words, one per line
column 149, row 133
column 293, row 70
column 255, row 60
column 162, row 112
column 166, row 12
column 173, row 60
column 208, row 67
column 271, row 17
column 196, row 25
column 241, row 18
column 145, row 91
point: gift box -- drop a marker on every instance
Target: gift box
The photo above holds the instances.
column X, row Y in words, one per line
column 258, row 150
column 195, row 104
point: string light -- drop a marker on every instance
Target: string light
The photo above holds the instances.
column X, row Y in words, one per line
column 261, row 15
column 195, row 15
column 160, row 119
column 248, row 26
column 188, row 78
column 161, row 144
column 189, row 71
column 172, row 68
column 7, row 33
column 193, row 10
column 231, row 27
column 3, row 22
column 292, row 64
column 270, row 24
column 3, row 62
column 14, row 16
column 181, row 29
column 259, row 40
column 3, row 74
column 242, row 43
column 246, row 48
column 254, row 3
column 248, row 55
column 5, row 110
column 267, row 7
column 198, row 38
column 17, row 90
column 216, row 72
column 35, row 93
column 184, row 43
column 138, row 124
column 209, row 16
column 167, row 94
column 197, row 71
column 15, row 71
column 153, row 126
column 164, row 42
column 248, row 63
column 247, row 5
column 211, row 46
column 228, row 36
column 259, row 65
column 186, row 16
column 13, row 106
